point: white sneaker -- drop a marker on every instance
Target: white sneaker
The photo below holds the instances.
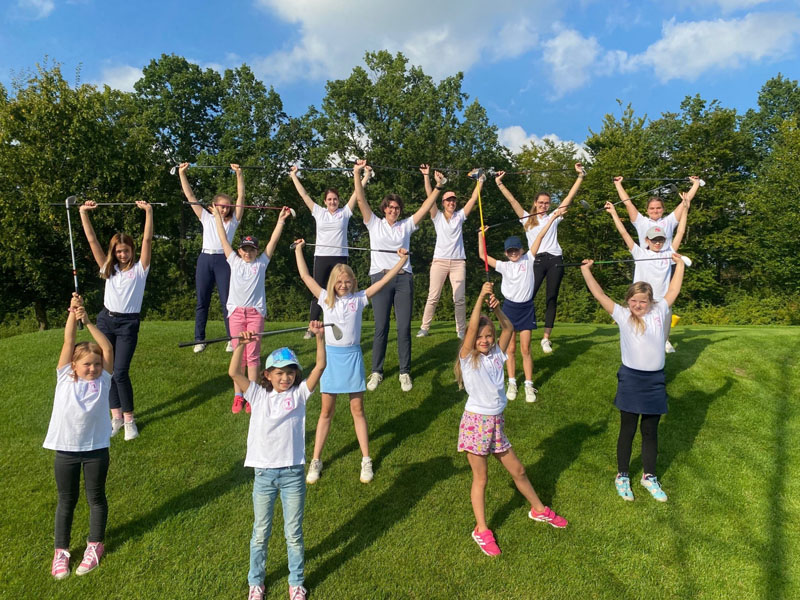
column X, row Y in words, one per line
column 460, row 335
column 198, row 348
column 374, row 381
column 116, row 425
column 547, row 347
column 131, row 431
column 314, row 471
column 405, row 382
column 228, row 347
column 668, row 348
column 530, row 393
column 366, row 470
column 423, row 333
column 511, row 392
column 307, row 335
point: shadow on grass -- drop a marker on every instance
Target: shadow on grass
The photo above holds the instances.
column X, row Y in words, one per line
column 188, row 400
column 569, row 349
column 191, row 499
column 688, row 351
column 560, row 450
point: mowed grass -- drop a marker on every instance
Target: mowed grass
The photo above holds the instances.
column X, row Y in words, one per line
column 180, row 513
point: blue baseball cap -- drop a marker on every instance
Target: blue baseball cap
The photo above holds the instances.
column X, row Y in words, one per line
column 282, row 357
column 513, row 242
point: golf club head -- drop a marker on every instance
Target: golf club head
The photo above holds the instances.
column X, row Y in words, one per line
column 173, row 170
column 702, row 183
column 293, row 245
column 475, row 174
column 583, row 170
column 71, row 201
column 291, row 211
column 686, row 260
column 585, row 204
column 337, row 333
column 673, row 189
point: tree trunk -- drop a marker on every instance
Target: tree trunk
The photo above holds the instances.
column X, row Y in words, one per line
column 41, row 313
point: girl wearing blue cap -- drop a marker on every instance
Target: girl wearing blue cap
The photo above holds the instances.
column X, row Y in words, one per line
column 276, row 450
column 517, row 288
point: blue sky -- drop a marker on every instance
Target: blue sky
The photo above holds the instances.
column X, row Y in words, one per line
column 540, row 67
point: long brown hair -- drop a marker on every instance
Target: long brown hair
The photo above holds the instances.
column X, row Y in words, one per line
column 81, row 350
column 533, row 220
column 111, row 256
column 474, row 354
column 640, row 287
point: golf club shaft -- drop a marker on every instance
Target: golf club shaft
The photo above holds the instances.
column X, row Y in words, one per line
column 621, row 260
column 72, row 250
column 292, row 246
column 117, row 204
column 228, row 338
column 234, row 205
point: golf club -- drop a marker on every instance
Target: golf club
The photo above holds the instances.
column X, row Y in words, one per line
column 670, row 188
column 74, row 202
column 671, row 180
column 337, row 335
column 293, row 245
column 583, row 204
column 291, row 210
column 68, row 202
column 686, row 260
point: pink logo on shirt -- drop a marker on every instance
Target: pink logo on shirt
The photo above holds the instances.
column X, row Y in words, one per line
column 131, row 274
column 523, row 268
column 254, row 269
column 93, row 387
column 351, row 306
column 288, row 402
column 497, row 364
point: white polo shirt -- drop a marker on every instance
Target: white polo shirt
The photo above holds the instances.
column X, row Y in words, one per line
column 346, row 315
column 484, row 382
column 388, row 237
column 643, row 352
column 247, row 283
column 331, row 230
column 550, row 240
column 211, row 241
column 517, row 284
column 124, row 290
column 669, row 223
column 655, row 272
column 449, row 238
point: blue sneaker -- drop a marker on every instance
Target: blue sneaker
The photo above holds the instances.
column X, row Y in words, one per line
column 623, row 485
column 650, row 483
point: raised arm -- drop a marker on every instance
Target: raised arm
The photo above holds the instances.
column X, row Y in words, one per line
column 68, row 348
column 688, row 197
column 276, row 233
column 239, row 210
column 147, row 236
column 97, row 249
column 474, row 198
column 100, row 338
column 492, row 262
column 677, row 239
column 239, row 378
column 318, row 330
column 575, row 186
column 471, row 334
column 391, row 274
column 506, row 328
column 425, row 169
column 368, row 172
column 300, row 189
column 302, row 268
column 187, row 189
column 633, row 213
column 626, row 237
column 78, row 313
column 594, row 287
column 358, row 190
column 226, row 245
column 430, row 201
column 538, row 241
column 516, row 206
column 677, row 280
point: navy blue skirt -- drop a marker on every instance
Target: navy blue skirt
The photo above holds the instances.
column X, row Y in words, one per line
column 521, row 314
column 641, row 392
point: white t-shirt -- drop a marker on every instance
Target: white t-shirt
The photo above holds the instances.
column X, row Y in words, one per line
column 668, row 224
column 484, row 384
column 654, row 272
column 643, row 352
column 80, row 420
column 331, row 230
column 550, row 240
column 346, row 314
column 449, row 238
column 277, row 434
column 517, row 284
column 247, row 283
column 211, row 240
column 125, row 289
column 388, row 237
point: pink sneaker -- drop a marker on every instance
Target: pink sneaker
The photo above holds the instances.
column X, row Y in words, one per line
column 548, row 516
column 91, row 558
column 256, row 592
column 247, row 407
column 485, row 540
column 238, row 404
column 60, row 567
column 297, row 592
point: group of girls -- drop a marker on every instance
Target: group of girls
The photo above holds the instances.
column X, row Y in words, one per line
column 80, row 427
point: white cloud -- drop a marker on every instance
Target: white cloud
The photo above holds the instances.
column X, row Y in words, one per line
column 442, row 37
column 120, row 77
column 515, row 138
column 726, row 6
column 36, row 9
column 570, row 57
column 687, row 50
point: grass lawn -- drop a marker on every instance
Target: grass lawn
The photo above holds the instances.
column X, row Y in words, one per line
column 180, row 509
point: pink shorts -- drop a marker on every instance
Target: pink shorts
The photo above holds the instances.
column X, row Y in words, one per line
column 482, row 434
column 246, row 318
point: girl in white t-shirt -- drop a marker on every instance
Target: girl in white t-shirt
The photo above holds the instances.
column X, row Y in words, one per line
column 331, row 227
column 212, row 268
column 343, row 305
column 276, row 450
column 479, row 370
column 122, row 305
column 449, row 258
column 641, row 388
column 517, row 287
column 247, row 302
column 79, row 432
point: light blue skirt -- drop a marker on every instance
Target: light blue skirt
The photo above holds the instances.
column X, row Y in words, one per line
column 345, row 371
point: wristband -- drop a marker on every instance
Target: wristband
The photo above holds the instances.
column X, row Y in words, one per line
column 440, row 187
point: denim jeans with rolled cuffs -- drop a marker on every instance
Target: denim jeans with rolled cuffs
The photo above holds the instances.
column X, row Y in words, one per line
column 290, row 484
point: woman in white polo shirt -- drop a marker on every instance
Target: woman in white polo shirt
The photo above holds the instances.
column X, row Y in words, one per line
column 449, row 258
column 122, row 303
column 331, row 238
column 391, row 233
column 212, row 268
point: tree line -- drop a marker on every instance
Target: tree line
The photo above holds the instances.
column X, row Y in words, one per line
column 58, row 139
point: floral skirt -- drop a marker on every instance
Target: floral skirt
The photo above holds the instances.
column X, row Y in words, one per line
column 482, row 434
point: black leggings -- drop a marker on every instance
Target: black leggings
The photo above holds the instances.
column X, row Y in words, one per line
column 123, row 333
column 323, row 265
column 68, row 482
column 627, row 430
column 547, row 266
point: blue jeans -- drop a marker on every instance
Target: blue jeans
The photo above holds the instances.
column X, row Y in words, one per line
column 290, row 482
